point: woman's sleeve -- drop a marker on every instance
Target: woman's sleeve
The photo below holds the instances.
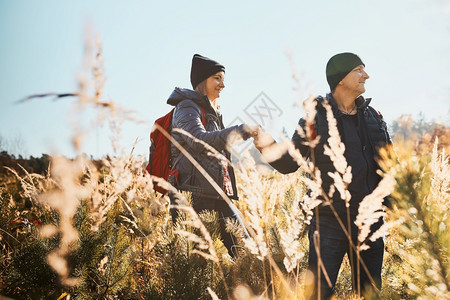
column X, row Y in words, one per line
column 187, row 116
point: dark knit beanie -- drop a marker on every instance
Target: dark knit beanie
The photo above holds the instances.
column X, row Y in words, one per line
column 339, row 66
column 202, row 68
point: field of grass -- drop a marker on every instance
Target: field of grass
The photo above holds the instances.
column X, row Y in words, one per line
column 97, row 230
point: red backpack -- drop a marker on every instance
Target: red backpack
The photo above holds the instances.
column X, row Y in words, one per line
column 160, row 161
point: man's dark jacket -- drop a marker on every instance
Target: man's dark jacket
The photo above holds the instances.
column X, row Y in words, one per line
column 188, row 117
column 369, row 133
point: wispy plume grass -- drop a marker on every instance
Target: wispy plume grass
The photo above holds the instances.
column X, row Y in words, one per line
column 421, row 200
column 65, row 199
column 371, row 210
column 107, row 234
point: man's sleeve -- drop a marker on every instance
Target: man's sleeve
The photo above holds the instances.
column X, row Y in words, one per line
column 286, row 164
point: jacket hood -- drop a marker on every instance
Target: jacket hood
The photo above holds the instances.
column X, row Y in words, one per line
column 180, row 94
column 362, row 102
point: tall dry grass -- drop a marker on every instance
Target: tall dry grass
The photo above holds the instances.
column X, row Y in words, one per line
column 107, row 234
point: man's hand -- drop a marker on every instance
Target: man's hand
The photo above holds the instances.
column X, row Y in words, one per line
column 262, row 139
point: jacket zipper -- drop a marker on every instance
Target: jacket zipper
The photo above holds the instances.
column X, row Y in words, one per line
column 363, row 141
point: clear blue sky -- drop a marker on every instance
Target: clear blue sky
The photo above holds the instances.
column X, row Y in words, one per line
column 148, row 46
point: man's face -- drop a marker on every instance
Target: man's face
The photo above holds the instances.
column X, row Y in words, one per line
column 355, row 80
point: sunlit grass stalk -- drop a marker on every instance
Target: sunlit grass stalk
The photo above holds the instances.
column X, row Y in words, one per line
column 335, row 151
column 221, row 193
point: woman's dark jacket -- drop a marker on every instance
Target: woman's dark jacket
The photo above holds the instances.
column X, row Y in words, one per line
column 188, row 117
column 362, row 136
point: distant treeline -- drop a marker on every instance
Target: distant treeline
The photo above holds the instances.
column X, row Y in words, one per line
column 38, row 165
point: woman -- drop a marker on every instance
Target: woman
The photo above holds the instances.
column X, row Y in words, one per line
column 197, row 112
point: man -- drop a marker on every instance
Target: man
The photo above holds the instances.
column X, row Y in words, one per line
column 363, row 132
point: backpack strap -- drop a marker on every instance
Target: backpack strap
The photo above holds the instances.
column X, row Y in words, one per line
column 319, row 107
column 377, row 114
column 203, row 116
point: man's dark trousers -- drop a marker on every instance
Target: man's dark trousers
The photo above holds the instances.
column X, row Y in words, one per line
column 333, row 246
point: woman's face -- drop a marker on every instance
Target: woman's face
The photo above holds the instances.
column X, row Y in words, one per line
column 215, row 85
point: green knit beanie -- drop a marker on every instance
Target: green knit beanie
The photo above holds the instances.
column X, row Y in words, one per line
column 339, row 66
